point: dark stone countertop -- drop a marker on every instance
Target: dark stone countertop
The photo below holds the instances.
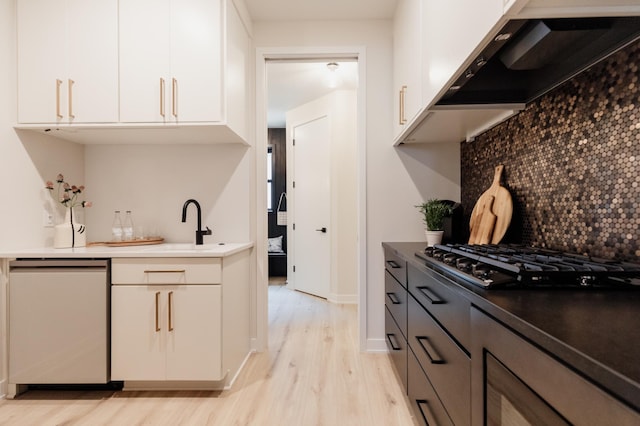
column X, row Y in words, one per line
column 596, row 332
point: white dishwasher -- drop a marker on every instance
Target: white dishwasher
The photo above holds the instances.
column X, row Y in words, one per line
column 58, row 322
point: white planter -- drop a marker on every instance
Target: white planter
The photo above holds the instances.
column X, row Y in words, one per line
column 433, row 237
column 69, row 234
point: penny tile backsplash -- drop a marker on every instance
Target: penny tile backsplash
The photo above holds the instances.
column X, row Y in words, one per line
column 571, row 163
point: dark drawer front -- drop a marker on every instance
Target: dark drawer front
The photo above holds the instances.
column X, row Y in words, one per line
column 446, row 365
column 445, row 304
column 425, row 403
column 396, row 266
column 397, row 347
column 396, row 301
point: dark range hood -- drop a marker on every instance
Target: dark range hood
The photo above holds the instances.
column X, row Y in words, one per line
column 530, row 57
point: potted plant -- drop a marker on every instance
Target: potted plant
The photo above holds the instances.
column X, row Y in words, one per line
column 434, row 211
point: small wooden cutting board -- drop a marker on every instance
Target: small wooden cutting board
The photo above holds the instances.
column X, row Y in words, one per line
column 491, row 216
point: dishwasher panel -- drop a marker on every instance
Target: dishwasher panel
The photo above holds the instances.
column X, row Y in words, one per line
column 58, row 322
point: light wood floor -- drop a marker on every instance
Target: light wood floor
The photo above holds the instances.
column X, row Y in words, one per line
column 312, row 374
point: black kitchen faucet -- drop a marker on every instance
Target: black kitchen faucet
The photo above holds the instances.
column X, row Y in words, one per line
column 199, row 232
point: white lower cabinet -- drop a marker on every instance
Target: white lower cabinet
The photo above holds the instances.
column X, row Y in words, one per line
column 169, row 326
column 166, row 332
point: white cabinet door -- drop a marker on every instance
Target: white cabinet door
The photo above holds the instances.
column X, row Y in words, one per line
column 41, row 58
column 194, row 335
column 407, row 71
column 170, row 61
column 137, row 347
column 238, row 58
column 196, row 60
column 161, row 332
column 144, row 60
column 92, row 61
column 67, row 61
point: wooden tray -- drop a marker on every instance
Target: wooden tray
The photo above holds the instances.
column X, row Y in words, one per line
column 140, row 242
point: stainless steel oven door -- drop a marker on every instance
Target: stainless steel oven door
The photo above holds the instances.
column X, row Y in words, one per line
column 514, row 382
column 509, row 401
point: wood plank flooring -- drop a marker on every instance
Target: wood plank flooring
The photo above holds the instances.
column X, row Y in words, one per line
column 312, row 374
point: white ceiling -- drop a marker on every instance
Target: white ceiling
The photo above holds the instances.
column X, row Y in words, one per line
column 292, row 84
column 284, row 10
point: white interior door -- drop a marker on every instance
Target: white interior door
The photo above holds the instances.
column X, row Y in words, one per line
column 311, row 168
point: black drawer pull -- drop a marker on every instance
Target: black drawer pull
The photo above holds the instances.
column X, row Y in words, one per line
column 430, row 351
column 429, row 294
column 426, row 412
column 394, row 264
column 394, row 298
column 392, row 341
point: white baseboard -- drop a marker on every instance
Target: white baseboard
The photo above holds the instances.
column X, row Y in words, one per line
column 233, row 379
column 376, row 346
column 343, row 299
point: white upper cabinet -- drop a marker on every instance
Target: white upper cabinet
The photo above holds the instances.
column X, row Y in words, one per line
column 134, row 71
column 442, row 35
column 171, row 61
column 67, row 61
column 184, row 62
column 443, row 42
column 407, row 71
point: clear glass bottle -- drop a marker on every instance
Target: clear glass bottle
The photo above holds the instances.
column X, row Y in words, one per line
column 116, row 227
column 127, row 228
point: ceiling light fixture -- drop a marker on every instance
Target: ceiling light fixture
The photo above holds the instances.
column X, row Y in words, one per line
column 333, row 79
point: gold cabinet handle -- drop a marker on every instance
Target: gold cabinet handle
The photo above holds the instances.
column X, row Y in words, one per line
column 403, row 91
column 58, row 84
column 162, row 97
column 70, row 88
column 170, row 311
column 157, row 309
column 174, row 97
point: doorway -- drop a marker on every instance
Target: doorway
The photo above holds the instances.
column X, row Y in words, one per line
column 350, row 158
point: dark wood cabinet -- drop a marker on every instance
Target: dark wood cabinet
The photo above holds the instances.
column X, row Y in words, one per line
column 395, row 323
column 446, row 365
column 446, row 305
column 396, row 266
column 397, row 345
column 426, row 325
column 423, row 398
column 509, row 357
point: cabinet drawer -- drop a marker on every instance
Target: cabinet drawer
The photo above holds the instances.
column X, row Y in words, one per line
column 446, row 305
column 397, row 347
column 425, row 403
column 396, row 301
column 166, row 271
column 445, row 364
column 396, row 266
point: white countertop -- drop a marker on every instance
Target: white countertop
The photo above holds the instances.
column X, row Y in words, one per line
column 156, row 250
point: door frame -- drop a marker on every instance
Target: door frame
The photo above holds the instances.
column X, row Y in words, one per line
column 261, row 319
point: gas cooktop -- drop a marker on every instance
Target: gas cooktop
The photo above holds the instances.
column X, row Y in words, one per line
column 506, row 265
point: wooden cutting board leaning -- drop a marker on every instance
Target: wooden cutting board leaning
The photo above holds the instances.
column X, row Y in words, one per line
column 492, row 213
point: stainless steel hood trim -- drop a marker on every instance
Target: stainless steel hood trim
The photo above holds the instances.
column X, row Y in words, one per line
column 590, row 40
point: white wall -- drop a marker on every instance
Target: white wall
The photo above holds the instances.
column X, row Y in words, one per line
column 396, row 178
column 154, row 181
column 340, row 107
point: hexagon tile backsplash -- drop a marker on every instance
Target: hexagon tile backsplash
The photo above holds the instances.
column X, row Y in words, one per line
column 571, row 163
